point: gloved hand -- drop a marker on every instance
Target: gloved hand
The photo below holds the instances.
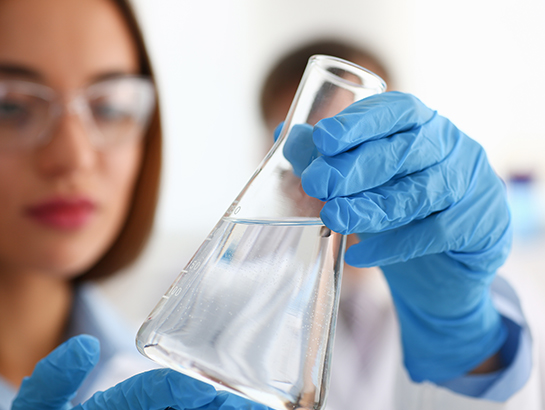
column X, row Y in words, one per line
column 57, row 377
column 429, row 210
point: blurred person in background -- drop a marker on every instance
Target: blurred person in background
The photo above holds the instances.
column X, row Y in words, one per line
column 367, row 350
column 80, row 144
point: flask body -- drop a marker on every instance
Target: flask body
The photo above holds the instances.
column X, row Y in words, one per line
column 254, row 311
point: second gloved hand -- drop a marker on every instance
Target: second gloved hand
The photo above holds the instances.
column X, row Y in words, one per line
column 429, row 210
column 57, row 377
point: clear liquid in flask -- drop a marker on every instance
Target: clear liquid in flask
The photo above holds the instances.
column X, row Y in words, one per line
column 258, row 299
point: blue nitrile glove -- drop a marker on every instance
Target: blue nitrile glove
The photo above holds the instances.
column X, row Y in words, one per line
column 228, row 401
column 429, row 210
column 57, row 377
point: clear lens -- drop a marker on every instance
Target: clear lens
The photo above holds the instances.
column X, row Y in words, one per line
column 120, row 109
column 25, row 111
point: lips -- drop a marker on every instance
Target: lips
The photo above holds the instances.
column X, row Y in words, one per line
column 63, row 213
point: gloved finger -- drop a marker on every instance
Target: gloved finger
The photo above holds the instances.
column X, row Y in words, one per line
column 433, row 235
column 299, row 148
column 373, row 163
column 229, row 401
column 278, row 130
column 419, row 238
column 396, row 203
column 153, row 390
column 475, row 231
column 57, row 377
column 372, row 118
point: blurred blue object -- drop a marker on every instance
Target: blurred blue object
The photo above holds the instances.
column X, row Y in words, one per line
column 523, row 197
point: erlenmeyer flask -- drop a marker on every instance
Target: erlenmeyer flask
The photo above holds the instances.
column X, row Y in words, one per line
column 254, row 311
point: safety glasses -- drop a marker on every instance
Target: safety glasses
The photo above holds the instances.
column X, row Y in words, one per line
column 112, row 111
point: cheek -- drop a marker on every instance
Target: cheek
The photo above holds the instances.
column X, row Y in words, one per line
column 22, row 244
column 13, row 176
column 120, row 172
column 27, row 246
column 16, row 180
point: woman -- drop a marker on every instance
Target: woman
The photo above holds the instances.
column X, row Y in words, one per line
column 80, row 155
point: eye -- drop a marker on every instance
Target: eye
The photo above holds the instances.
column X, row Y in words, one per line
column 107, row 112
column 108, row 109
column 11, row 110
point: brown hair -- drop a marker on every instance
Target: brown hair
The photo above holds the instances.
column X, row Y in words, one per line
column 137, row 227
column 287, row 72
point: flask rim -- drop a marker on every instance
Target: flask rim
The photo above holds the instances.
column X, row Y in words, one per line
column 325, row 63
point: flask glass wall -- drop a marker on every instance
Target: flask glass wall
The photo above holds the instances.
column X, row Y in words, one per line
column 254, row 310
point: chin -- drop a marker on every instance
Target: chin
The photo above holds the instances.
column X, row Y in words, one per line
column 66, row 269
column 70, row 262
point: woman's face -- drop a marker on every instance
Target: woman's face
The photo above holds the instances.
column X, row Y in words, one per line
column 62, row 204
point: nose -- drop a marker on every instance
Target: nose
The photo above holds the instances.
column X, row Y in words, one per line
column 69, row 150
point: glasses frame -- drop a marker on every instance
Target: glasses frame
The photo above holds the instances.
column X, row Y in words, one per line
column 76, row 102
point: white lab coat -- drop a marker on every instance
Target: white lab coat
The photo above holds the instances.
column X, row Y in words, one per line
column 378, row 381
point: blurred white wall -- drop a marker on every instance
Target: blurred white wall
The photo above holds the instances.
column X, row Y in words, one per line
column 479, row 62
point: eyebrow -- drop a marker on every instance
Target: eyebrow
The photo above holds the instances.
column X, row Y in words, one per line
column 111, row 74
column 20, row 71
